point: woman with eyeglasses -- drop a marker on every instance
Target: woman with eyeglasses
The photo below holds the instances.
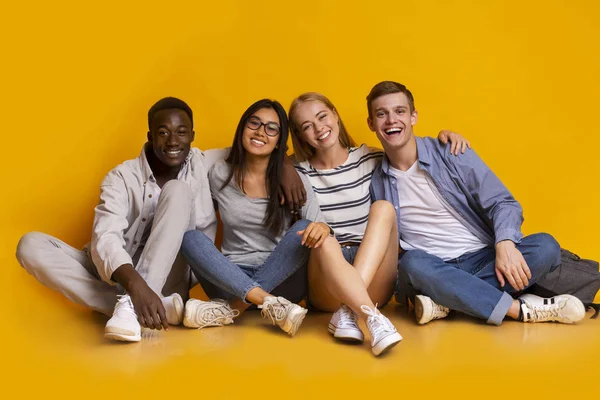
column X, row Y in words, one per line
column 353, row 280
column 264, row 252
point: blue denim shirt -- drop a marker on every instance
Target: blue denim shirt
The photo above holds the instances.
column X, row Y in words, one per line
column 477, row 196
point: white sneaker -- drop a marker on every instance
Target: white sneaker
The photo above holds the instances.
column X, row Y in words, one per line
column 344, row 325
column 384, row 335
column 283, row 313
column 426, row 310
column 173, row 308
column 201, row 314
column 123, row 325
column 563, row 308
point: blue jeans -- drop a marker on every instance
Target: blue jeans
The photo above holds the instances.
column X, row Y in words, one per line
column 468, row 283
column 220, row 278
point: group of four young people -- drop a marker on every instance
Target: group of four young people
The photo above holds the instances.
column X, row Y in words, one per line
column 337, row 244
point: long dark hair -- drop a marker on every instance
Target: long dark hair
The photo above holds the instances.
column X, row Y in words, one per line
column 274, row 219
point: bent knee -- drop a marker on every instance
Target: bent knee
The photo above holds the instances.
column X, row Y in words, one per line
column 300, row 225
column 193, row 238
column 383, row 207
column 546, row 247
column 177, row 189
column 29, row 245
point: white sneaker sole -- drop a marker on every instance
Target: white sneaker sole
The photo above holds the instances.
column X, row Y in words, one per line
column 420, row 312
column 349, row 335
column 386, row 343
column 122, row 335
column 294, row 320
column 178, row 308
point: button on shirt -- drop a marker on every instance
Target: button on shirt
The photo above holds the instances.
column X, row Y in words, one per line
column 128, row 198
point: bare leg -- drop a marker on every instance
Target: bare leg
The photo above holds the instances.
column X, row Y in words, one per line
column 377, row 257
column 332, row 281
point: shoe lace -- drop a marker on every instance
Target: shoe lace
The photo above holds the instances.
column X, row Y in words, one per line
column 124, row 304
column 347, row 317
column 217, row 315
column 545, row 312
column 439, row 311
column 377, row 322
column 274, row 311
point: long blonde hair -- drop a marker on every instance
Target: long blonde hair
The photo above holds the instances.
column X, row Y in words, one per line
column 302, row 150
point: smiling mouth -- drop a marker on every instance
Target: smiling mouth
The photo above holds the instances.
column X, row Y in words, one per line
column 173, row 153
column 393, row 131
column 324, row 136
column 257, row 142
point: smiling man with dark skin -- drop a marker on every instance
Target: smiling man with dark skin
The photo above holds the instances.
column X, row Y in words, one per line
column 132, row 270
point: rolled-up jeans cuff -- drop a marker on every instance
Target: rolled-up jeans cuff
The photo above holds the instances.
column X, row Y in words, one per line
column 245, row 293
column 499, row 312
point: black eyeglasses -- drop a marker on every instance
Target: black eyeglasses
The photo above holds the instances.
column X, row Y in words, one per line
column 271, row 128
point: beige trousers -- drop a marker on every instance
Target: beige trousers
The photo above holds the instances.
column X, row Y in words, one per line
column 72, row 273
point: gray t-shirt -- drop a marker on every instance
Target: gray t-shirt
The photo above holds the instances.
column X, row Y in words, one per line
column 245, row 240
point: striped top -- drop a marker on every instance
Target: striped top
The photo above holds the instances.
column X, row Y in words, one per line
column 343, row 192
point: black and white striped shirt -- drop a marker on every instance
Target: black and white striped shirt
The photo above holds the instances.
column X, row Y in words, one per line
column 343, row 192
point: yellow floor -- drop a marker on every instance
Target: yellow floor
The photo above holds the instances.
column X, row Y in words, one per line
column 56, row 348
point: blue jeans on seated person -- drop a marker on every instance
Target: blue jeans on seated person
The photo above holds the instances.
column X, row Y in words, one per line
column 282, row 274
column 468, row 283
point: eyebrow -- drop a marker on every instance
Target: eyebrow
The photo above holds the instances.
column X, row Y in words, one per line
column 166, row 127
column 268, row 122
column 393, row 107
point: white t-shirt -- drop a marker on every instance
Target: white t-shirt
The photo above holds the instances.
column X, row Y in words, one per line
column 426, row 221
column 343, row 192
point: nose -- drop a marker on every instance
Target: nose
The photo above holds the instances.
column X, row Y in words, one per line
column 391, row 118
column 173, row 139
column 319, row 126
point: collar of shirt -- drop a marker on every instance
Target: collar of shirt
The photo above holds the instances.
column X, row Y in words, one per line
column 423, row 157
column 147, row 171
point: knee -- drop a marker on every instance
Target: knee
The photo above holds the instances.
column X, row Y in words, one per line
column 193, row 239
column 179, row 191
column 383, row 207
column 28, row 249
column 300, row 225
column 547, row 248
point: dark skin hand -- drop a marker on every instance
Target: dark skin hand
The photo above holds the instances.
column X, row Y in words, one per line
column 292, row 189
column 148, row 306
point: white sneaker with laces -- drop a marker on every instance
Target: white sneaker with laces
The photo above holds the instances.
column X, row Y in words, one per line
column 201, row 314
column 563, row 308
column 384, row 335
column 173, row 308
column 426, row 310
column 344, row 325
column 123, row 325
column 283, row 313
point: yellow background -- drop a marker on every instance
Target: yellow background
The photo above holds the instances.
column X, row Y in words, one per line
column 518, row 79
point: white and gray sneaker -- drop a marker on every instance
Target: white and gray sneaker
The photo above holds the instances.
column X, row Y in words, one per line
column 201, row 314
column 344, row 325
column 384, row 335
column 426, row 310
column 283, row 313
column 123, row 325
column 563, row 308
column 173, row 308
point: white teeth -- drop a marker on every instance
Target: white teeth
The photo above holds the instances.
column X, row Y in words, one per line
column 393, row 130
column 173, row 152
column 258, row 142
column 324, row 136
